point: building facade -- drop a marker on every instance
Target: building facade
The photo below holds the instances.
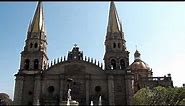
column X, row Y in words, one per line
column 41, row 82
column 143, row 75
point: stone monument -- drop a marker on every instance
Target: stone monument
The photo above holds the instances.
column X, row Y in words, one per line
column 69, row 101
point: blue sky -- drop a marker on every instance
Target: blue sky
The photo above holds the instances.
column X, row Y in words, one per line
column 157, row 28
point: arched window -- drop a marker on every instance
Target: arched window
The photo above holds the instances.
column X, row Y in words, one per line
column 35, row 45
column 31, row 45
column 119, row 45
column 122, row 64
column 114, row 45
column 26, row 64
column 45, row 65
column 113, row 64
column 36, row 64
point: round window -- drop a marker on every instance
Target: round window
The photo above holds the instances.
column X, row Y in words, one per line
column 51, row 89
column 30, row 93
column 97, row 88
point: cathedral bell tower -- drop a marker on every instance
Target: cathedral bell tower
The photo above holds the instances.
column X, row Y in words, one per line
column 116, row 56
column 33, row 61
column 34, row 56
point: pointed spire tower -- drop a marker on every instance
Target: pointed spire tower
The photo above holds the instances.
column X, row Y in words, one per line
column 38, row 23
column 114, row 24
column 116, row 56
column 34, row 56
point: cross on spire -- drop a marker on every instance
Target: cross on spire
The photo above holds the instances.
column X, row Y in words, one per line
column 75, row 45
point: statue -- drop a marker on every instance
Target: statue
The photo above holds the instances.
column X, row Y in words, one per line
column 69, row 94
column 69, row 100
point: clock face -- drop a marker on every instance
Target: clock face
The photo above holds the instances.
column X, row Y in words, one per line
column 74, row 57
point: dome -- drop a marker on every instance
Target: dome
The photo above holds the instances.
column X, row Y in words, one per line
column 139, row 65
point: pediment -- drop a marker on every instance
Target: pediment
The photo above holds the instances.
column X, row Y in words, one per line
column 75, row 68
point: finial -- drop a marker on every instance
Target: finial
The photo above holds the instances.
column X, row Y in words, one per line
column 137, row 54
column 58, row 60
column 85, row 58
column 54, row 61
column 91, row 60
column 88, row 59
column 136, row 47
column 64, row 58
column 75, row 45
column 61, row 59
column 51, row 63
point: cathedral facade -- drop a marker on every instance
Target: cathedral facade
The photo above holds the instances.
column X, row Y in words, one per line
column 41, row 82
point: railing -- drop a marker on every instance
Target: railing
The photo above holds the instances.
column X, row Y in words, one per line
column 156, row 78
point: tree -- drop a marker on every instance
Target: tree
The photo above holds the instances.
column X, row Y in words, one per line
column 182, row 102
column 160, row 96
column 143, row 96
column 4, row 99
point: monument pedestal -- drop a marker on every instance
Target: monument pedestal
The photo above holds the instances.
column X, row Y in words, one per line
column 71, row 102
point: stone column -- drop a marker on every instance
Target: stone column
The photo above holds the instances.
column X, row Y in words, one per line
column 111, row 89
column 37, row 90
column 18, row 90
column 61, row 88
column 87, row 78
column 129, row 78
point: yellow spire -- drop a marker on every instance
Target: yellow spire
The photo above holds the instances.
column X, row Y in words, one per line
column 38, row 19
column 114, row 24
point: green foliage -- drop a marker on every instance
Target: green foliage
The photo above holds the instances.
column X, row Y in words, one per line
column 182, row 102
column 4, row 99
column 160, row 96
column 143, row 96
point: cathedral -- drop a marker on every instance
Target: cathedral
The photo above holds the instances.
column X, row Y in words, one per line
column 40, row 82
